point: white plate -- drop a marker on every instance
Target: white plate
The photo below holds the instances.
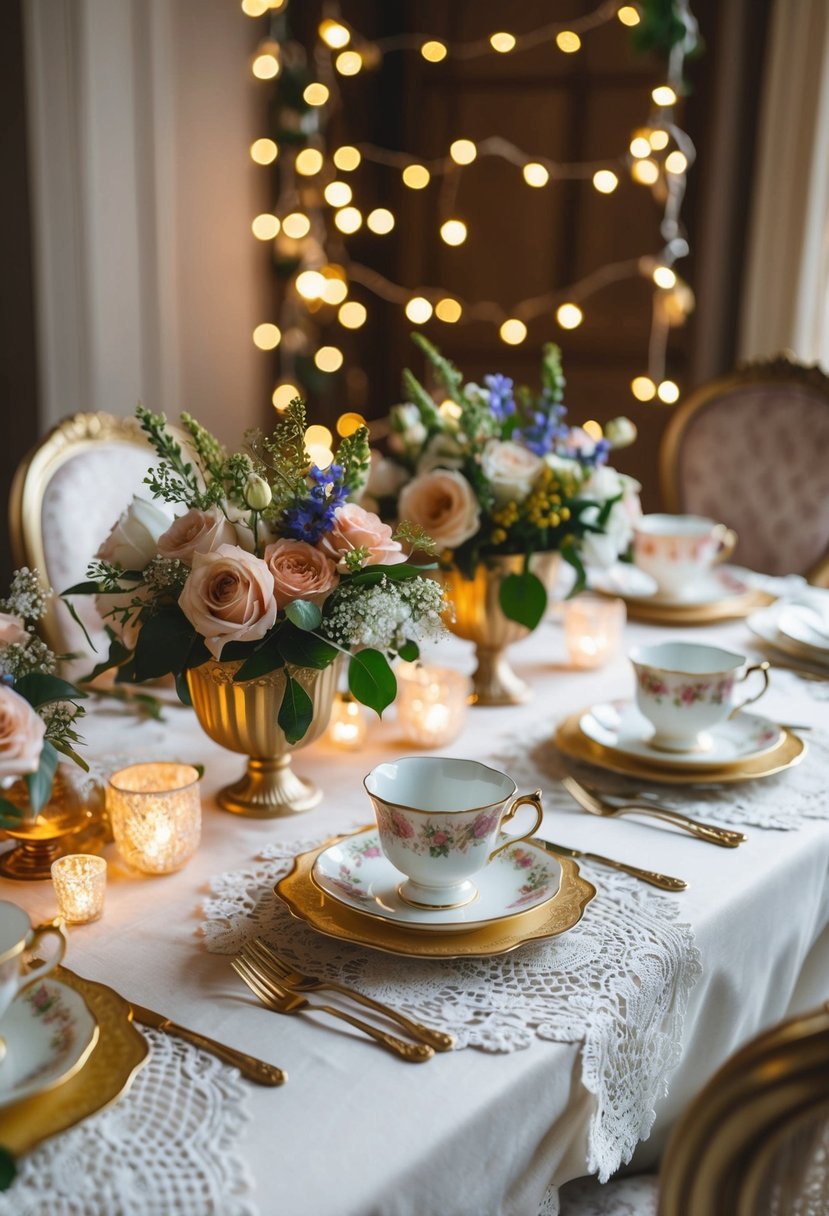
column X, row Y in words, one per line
column 804, row 624
column 623, row 579
column 49, row 1032
column 764, row 624
column 355, row 873
column 620, row 726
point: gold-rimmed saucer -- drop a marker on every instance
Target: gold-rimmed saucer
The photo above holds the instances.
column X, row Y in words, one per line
column 570, row 740
column 307, row 903
column 729, row 608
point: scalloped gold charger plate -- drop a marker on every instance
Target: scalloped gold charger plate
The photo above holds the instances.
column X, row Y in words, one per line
column 116, row 1057
column 307, row 903
column 729, row 608
column 570, row 740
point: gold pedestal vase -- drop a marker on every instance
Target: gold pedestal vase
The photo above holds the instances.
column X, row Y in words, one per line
column 243, row 718
column 478, row 618
column 66, row 824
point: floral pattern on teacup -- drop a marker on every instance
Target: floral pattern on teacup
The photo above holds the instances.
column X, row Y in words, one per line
column 438, row 836
column 349, row 884
column 537, row 879
column 717, row 691
column 47, row 1003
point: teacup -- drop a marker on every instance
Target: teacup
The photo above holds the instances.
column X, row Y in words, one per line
column 16, row 938
column 685, row 689
column 679, row 550
column 439, row 820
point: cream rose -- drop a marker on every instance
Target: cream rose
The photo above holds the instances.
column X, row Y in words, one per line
column 510, row 469
column 444, row 504
column 356, row 528
column 12, row 630
column 21, row 735
column 196, row 532
column 228, row 597
column 385, row 477
column 133, row 542
column 300, row 572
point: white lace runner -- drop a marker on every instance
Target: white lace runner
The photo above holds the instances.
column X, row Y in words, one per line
column 167, row 1146
column 782, row 801
column 618, row 983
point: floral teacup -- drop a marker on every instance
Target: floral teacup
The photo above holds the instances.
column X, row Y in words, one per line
column 439, row 821
column 685, row 689
column 16, row 938
column 678, row 550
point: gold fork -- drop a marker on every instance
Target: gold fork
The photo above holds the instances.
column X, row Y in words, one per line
column 279, row 999
column 591, row 802
column 260, row 952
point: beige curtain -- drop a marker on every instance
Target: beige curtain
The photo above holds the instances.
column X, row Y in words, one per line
column 786, row 301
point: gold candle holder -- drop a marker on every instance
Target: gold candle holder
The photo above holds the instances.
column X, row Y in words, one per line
column 431, row 703
column 593, row 626
column 80, row 881
column 347, row 726
column 155, row 810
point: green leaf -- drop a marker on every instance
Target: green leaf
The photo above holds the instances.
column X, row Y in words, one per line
column 296, row 711
column 86, row 588
column 73, row 612
column 162, row 641
column 118, row 654
column 8, row 1169
column 303, row 649
column 571, row 555
column 303, row 614
column 40, row 783
column 371, row 680
column 410, row 651
column 40, row 689
column 66, row 750
column 10, row 815
column 183, row 689
column 395, row 574
column 265, row 659
column 523, row 599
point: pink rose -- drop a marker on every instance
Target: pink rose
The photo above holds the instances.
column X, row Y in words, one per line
column 356, row 528
column 228, row 597
column 444, row 504
column 21, row 735
column 12, row 630
column 196, row 532
column 300, row 572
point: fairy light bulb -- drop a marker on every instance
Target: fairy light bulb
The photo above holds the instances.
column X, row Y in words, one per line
column 308, row 162
column 348, row 220
column 265, row 227
column 640, row 146
column 568, row 41
column 348, row 63
column 334, row 290
column 284, row 394
column 319, row 434
column 329, row 359
column 659, row 139
column 434, row 51
column 643, row 388
column 663, row 276
column 347, row 158
column 380, row 221
column 463, row 151
column 352, row 315
column 418, row 310
column 628, row 15
column 668, row 392
column 263, row 151
column 338, row 194
column 315, row 94
column 535, row 174
column 349, row 423
column 663, row 95
column 334, row 34
column 453, row 232
column 646, row 172
column 320, row 455
column 676, row 162
column 513, row 331
column 265, row 64
column 448, row 310
column 296, row 225
column 605, row 181
column 569, row 315
column 502, row 42
column 310, row 284
column 416, row 177
column 254, row 8
column 267, row 336
column 593, row 429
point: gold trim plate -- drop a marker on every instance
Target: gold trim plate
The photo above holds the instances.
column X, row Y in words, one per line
column 729, row 608
column 307, row 903
column 118, row 1054
column 572, row 742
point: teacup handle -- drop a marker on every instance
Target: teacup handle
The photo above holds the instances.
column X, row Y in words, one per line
column 42, row 969
column 521, row 800
column 727, row 538
column 764, row 669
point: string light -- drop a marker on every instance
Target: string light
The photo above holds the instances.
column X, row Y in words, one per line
column 348, row 423
column 448, row 310
column 265, row 65
column 308, row 162
column 283, row 395
column 463, row 151
column 254, row 8
column 319, row 435
column 265, row 227
column 348, row 220
column 433, row 51
column 352, row 315
column 676, row 162
column 659, row 139
column 316, row 94
column 453, row 232
column 569, row 316
column 334, row 34
column 663, row 95
column 416, row 177
column 267, row 336
column 513, row 331
column 535, row 174
column 334, row 291
column 628, row 15
column 593, row 429
column 310, row 284
column 568, row 41
column 663, row 276
column 418, row 310
column 296, row 225
column 605, row 181
column 646, row 172
column 668, row 392
column 640, row 145
column 329, row 359
column 337, row 194
column 264, row 151
column 643, row 388
column 349, row 63
column 320, row 455
column 502, row 42
column 380, row 221
column 347, row 158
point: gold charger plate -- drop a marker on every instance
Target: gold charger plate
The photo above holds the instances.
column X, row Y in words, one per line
column 729, row 608
column 307, row 903
column 572, row 742
column 118, row 1054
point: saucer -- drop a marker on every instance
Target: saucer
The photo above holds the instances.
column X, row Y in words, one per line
column 49, row 1031
column 620, row 727
column 723, row 594
column 765, row 625
column 623, row 579
column 356, row 873
column 804, row 624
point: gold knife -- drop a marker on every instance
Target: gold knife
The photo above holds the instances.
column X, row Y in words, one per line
column 249, row 1066
column 665, row 881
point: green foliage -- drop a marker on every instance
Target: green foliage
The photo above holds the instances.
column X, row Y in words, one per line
column 303, row 614
column 661, row 28
column 354, row 454
column 41, row 689
column 303, row 649
column 371, row 680
column 282, row 458
column 414, row 537
column 523, row 599
column 210, row 452
column 552, row 375
column 163, row 642
column 296, row 711
column 40, row 783
column 8, row 1169
column 175, row 479
column 409, row 651
column 447, row 374
column 414, row 391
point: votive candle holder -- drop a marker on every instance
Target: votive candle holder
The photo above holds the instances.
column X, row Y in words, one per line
column 431, row 703
column 79, row 880
column 155, row 811
column 593, row 626
column 347, row 727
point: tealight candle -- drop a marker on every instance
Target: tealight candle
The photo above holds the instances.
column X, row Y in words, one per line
column 593, row 627
column 80, row 881
column 155, row 810
column 431, row 703
column 347, row 725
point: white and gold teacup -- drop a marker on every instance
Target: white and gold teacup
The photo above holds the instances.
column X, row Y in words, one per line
column 17, row 938
column 677, row 551
column 440, row 823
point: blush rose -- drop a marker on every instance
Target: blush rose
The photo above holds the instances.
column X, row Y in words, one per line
column 356, row 528
column 300, row 572
column 196, row 532
column 229, row 597
column 443, row 503
column 21, row 735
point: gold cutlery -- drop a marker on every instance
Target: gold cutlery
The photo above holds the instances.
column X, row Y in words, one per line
column 591, row 802
column 249, row 1066
column 280, row 1000
column 653, row 877
column 296, row 981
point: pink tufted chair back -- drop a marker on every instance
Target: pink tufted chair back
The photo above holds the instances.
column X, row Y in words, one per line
column 752, row 451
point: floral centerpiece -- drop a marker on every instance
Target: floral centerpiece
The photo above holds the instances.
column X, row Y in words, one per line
column 503, row 485
column 267, row 574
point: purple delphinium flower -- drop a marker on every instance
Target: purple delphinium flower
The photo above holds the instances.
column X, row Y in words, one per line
column 544, row 429
column 501, row 399
column 311, row 517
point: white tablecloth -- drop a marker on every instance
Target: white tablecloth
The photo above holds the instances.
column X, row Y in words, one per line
column 355, row 1132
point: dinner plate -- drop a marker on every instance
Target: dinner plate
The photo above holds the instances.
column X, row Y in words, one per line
column 571, row 740
column 49, row 1032
column 334, row 919
column 723, row 595
column 803, row 624
column 356, row 873
column 620, row 727
column 764, row 625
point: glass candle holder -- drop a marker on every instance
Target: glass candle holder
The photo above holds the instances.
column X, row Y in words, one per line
column 431, row 703
column 593, row 626
column 347, row 726
column 155, row 810
column 80, row 882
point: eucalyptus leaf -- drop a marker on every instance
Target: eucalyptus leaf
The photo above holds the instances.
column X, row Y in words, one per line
column 523, row 599
column 303, row 614
column 296, row 711
column 303, row 649
column 41, row 689
column 410, row 651
column 371, row 680
column 40, row 783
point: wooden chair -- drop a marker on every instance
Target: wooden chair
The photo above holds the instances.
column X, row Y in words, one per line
column 752, row 451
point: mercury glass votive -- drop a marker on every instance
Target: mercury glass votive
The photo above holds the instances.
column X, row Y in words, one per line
column 347, row 726
column 431, row 703
column 593, row 626
column 80, row 881
column 155, row 811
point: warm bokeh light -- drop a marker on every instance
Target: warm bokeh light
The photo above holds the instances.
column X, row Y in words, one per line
column 676, row 162
column 329, row 359
column 643, row 388
column 628, row 15
column 264, row 151
column 267, row 336
column 380, row 220
column 569, row 315
column 284, row 394
column 334, row 34
column 659, row 139
column 348, row 423
column 265, row 227
column 352, row 315
column 463, row 151
column 605, row 181
column 310, row 284
column 433, row 51
column 535, row 174
column 663, row 276
column 296, row 225
column 347, row 158
column 265, row 64
column 453, row 232
column 254, row 8
column 349, row 63
column 513, row 331
column 316, row 94
column 448, row 310
column 308, row 162
column 319, row 434
column 646, row 172
column 320, row 455
column 664, row 95
column 416, row 177
column 668, row 392
column 568, row 41
column 348, row 220
column 593, row 428
column 502, row 42
column 418, row 310
column 338, row 194
column 640, row 146
column 334, row 290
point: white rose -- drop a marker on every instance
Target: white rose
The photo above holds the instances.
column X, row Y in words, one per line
column 620, row 432
column 386, row 477
column 133, row 542
column 441, row 452
column 510, row 469
column 603, row 483
column 564, row 466
column 601, row 549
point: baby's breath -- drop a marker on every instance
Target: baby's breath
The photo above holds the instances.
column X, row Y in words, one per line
column 386, row 615
column 20, row 658
column 27, row 597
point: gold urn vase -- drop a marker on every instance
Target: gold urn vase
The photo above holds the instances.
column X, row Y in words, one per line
column 478, row 618
column 243, row 718
column 66, row 824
